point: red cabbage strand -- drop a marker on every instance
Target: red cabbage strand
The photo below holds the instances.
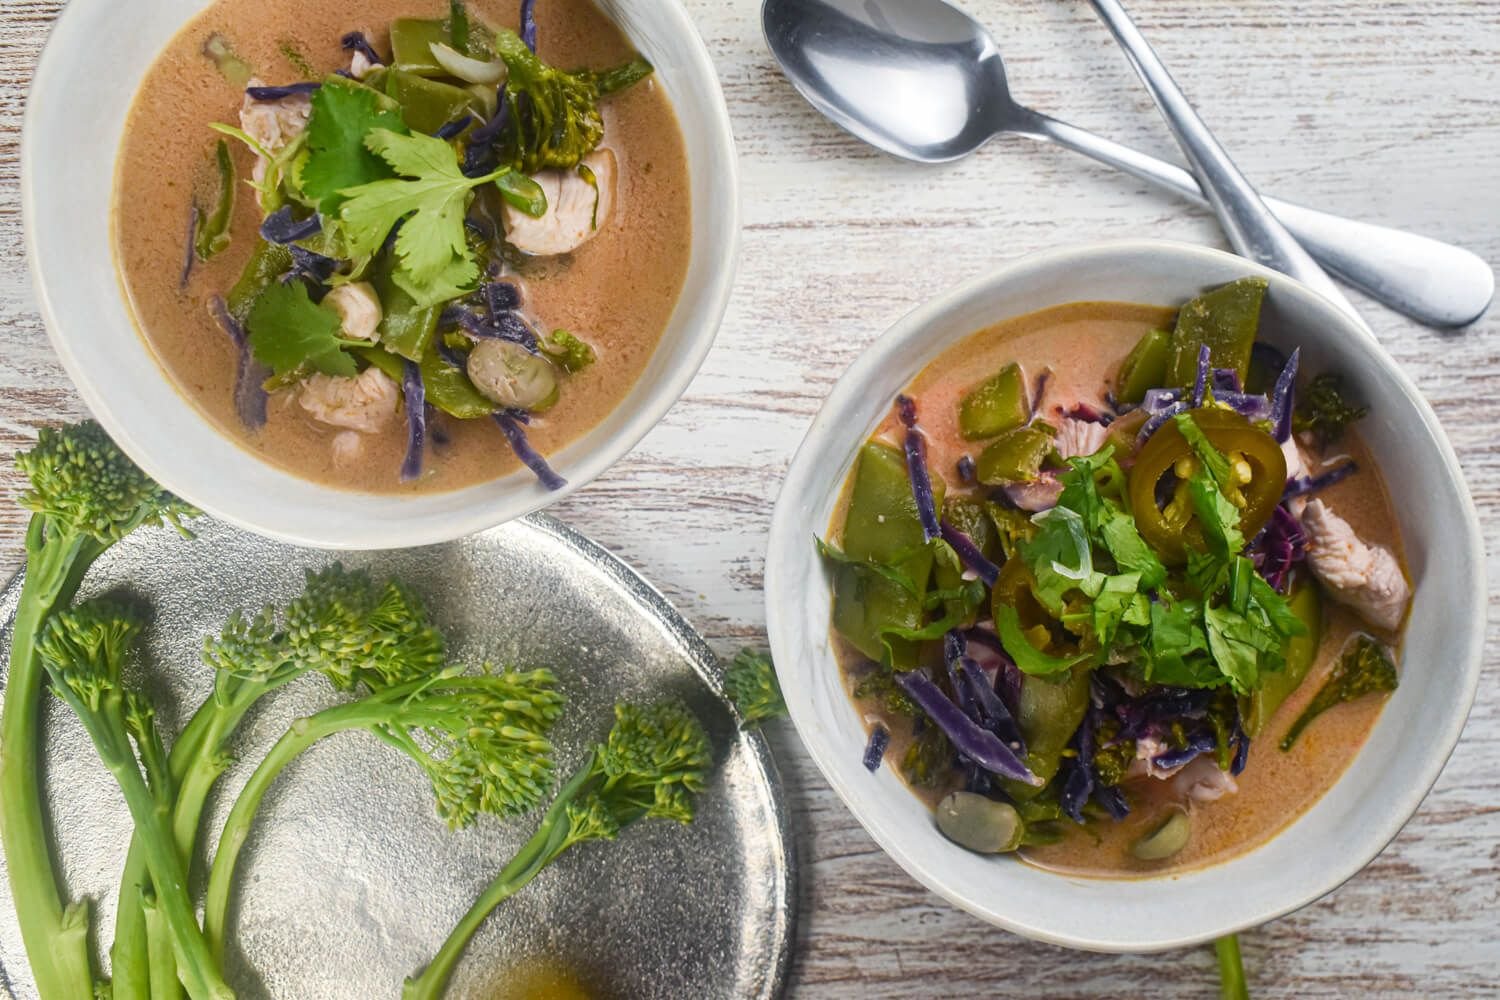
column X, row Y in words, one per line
column 916, row 468
column 980, row 746
column 416, row 421
column 510, row 424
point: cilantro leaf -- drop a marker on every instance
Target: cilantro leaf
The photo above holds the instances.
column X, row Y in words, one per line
column 288, row 332
column 1026, row 656
column 1119, row 534
column 1212, row 458
column 1219, row 519
column 1237, row 644
column 343, row 113
column 1177, row 651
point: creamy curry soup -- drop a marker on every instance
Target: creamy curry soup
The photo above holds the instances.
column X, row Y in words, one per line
column 346, row 279
column 1116, row 587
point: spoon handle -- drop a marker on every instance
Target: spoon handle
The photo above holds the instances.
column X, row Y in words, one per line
column 1431, row 281
column 1249, row 224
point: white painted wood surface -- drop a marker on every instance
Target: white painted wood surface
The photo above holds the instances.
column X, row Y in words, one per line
column 1388, row 111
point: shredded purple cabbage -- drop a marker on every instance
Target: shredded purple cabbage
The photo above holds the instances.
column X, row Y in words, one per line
column 458, row 359
column 1200, row 383
column 510, row 422
column 966, row 471
column 1034, row 496
column 1225, row 380
column 282, row 227
column 1156, row 420
column 479, row 157
column 1197, row 744
column 1241, row 741
column 916, row 467
column 1304, row 485
column 453, row 128
column 1077, row 772
column 1041, row 390
column 1089, row 414
column 880, row 738
column 416, row 421
column 506, row 326
column 279, row 93
column 528, row 23
column 501, row 297
column 1113, row 801
column 1283, row 397
column 996, row 715
column 192, row 250
column 969, row 553
column 314, row 267
column 355, row 41
column 979, row 745
column 953, row 652
column 1251, row 407
column 250, row 398
column 1279, row 547
column 984, row 648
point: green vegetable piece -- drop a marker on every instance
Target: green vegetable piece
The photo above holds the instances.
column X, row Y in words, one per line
column 622, row 77
column 84, row 495
column 1325, row 410
column 84, row 651
column 1028, row 658
column 1232, row 984
column 448, row 388
column 1169, row 837
column 1364, row 668
column 458, row 26
column 406, row 328
column 411, row 45
column 288, row 332
column 882, row 527
column 1049, row 713
column 751, row 685
column 293, row 55
column 1016, row 456
column 998, row 404
column 1227, row 320
column 1145, row 367
column 343, row 113
column 213, row 228
column 568, row 351
column 1299, row 652
column 652, row 764
column 427, row 105
column 980, row 824
column 968, row 516
column 265, row 266
column 563, row 124
column 234, row 69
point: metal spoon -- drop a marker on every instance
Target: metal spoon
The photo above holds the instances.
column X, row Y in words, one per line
column 922, row 80
column 1252, row 230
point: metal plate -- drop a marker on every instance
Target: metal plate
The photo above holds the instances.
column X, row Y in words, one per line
column 350, row 881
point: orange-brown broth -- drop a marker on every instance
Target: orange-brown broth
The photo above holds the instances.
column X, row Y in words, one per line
column 1081, row 345
column 617, row 291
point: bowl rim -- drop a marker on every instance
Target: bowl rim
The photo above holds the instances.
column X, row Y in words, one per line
column 720, row 265
column 788, row 529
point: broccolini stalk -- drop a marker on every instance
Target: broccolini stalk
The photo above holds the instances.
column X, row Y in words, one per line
column 85, row 495
column 1363, row 668
column 480, row 738
column 83, row 650
column 344, row 626
column 653, row 762
column 1232, row 984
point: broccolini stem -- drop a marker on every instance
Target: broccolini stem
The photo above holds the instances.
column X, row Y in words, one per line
column 58, row 954
column 161, row 962
column 1231, row 970
column 544, row 847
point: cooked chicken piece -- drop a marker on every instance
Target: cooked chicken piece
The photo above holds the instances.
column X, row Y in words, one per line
column 273, row 124
column 366, row 402
column 346, row 448
column 1296, row 468
column 1147, row 749
column 1079, row 437
column 1366, row 577
column 1202, row 781
column 359, row 309
column 576, row 209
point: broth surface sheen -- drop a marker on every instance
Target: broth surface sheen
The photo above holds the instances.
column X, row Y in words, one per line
column 616, row 292
column 1080, row 345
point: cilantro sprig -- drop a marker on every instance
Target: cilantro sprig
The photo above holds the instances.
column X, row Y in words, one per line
column 290, row 333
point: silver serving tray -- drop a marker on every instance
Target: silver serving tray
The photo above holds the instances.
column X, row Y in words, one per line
column 350, row 881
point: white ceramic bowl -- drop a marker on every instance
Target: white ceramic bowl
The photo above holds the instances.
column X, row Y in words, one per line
column 97, row 55
column 1342, row 832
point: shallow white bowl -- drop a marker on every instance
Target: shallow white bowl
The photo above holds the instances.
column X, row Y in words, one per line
column 1341, row 833
column 94, row 61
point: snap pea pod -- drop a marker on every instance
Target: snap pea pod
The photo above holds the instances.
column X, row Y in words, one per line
column 1049, row 713
column 213, row 228
column 998, row 404
column 1227, row 320
column 428, row 105
column 882, row 526
column 447, row 387
column 406, row 329
column 1015, row 456
column 268, row 263
column 1145, row 367
column 968, row 516
column 1306, row 602
column 412, row 39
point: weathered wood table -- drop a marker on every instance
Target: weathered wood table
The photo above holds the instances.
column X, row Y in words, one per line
column 1387, row 110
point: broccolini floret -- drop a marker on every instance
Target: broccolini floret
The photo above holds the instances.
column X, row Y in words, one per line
column 480, row 738
column 751, row 685
column 652, row 764
column 1364, row 668
column 1325, row 410
column 84, row 495
column 83, row 650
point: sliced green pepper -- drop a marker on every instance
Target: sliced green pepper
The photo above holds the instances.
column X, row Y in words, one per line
column 998, row 404
column 428, row 105
column 882, row 526
column 213, row 229
column 406, row 328
column 1049, row 713
column 1145, row 367
column 1171, row 531
column 1306, row 602
column 412, row 39
column 1227, row 320
column 268, row 263
column 1016, row 456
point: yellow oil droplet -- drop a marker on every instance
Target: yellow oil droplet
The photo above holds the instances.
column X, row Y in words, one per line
column 541, row 980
